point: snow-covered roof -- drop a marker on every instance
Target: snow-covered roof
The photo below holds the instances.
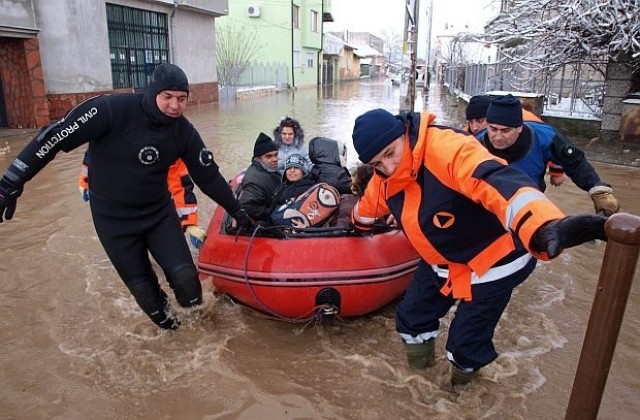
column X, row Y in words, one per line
column 366, row 51
column 332, row 44
column 519, row 94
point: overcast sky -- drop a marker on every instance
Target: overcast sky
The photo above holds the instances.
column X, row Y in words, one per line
column 374, row 16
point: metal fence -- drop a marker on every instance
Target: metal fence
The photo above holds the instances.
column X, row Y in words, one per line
column 276, row 74
column 574, row 89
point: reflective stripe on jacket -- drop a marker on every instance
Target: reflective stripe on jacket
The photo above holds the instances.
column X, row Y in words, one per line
column 458, row 204
column 181, row 189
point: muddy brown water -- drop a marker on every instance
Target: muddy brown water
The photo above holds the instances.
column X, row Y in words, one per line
column 74, row 345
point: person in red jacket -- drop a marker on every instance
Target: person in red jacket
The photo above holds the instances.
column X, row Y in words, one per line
column 478, row 224
column 181, row 189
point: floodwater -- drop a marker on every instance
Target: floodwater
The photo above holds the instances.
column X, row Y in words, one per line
column 74, row 345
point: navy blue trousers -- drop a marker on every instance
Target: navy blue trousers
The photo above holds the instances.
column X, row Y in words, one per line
column 471, row 331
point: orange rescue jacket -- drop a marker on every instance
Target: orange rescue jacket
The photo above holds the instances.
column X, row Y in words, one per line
column 458, row 204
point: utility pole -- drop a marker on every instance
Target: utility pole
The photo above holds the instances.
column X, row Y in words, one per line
column 408, row 101
column 428, row 58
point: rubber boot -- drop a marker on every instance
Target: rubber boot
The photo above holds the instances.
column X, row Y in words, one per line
column 421, row 355
column 461, row 377
column 165, row 319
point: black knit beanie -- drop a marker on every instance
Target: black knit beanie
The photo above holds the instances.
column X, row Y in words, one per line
column 263, row 145
column 373, row 131
column 505, row 110
column 477, row 108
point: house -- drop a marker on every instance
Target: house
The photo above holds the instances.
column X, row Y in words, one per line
column 287, row 32
column 55, row 54
column 369, row 48
column 340, row 61
column 372, row 63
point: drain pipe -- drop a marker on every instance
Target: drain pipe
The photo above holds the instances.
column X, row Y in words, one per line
column 293, row 75
column 172, row 25
column 319, row 59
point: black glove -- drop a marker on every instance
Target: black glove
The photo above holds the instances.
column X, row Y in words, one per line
column 567, row 232
column 9, row 194
column 243, row 220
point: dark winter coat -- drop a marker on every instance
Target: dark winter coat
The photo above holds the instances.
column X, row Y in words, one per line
column 288, row 190
column 325, row 156
column 256, row 191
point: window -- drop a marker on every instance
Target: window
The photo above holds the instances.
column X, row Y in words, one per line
column 295, row 17
column 309, row 59
column 138, row 42
column 314, row 21
column 296, row 58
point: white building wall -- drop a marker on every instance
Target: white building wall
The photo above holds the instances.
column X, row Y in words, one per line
column 74, row 44
column 195, row 46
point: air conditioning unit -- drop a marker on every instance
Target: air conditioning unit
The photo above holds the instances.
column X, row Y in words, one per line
column 253, row 10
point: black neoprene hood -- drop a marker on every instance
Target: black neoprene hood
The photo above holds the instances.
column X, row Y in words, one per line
column 165, row 77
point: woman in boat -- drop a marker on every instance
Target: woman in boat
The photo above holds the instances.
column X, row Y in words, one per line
column 289, row 138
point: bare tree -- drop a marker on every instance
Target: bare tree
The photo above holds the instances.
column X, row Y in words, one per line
column 392, row 45
column 237, row 50
column 548, row 34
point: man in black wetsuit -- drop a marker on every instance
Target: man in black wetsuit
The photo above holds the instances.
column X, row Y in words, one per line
column 134, row 139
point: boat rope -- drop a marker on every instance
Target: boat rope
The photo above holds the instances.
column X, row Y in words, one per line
column 315, row 314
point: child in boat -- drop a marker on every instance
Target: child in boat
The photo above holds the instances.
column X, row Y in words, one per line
column 301, row 202
column 295, row 180
column 359, row 180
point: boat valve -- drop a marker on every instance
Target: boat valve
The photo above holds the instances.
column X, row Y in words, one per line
column 329, row 299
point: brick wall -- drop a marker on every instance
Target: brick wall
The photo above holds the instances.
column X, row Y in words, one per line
column 23, row 83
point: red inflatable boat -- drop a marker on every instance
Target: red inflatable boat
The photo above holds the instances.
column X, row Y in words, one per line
column 315, row 271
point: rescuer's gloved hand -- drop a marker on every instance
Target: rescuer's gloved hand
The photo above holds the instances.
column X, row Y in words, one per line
column 196, row 236
column 84, row 194
column 243, row 220
column 9, row 193
column 556, row 174
column 603, row 200
column 567, row 232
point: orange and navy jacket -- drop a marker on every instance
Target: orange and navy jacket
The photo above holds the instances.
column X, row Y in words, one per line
column 458, row 204
column 180, row 186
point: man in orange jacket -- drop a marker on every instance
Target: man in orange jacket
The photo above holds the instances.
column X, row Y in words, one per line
column 478, row 224
column 181, row 189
